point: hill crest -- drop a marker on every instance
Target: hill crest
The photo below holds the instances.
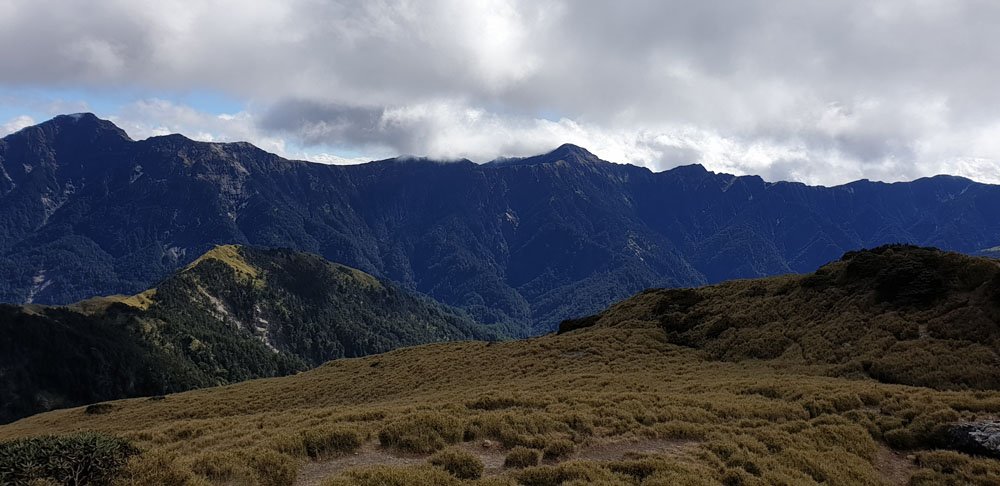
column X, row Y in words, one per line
column 896, row 313
column 236, row 313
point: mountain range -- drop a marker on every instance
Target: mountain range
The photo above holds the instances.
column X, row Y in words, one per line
column 233, row 314
column 517, row 243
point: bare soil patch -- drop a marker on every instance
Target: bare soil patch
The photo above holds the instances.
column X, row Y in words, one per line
column 895, row 468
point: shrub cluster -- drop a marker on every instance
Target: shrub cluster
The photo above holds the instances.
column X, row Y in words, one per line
column 322, row 442
column 395, row 476
column 459, row 463
column 521, row 457
column 319, row 442
column 557, row 448
column 421, row 432
column 75, row 460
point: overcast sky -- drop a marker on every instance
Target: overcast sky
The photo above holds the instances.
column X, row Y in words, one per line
column 821, row 91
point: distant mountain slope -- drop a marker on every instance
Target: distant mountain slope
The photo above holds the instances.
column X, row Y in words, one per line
column 235, row 313
column 899, row 314
column 84, row 211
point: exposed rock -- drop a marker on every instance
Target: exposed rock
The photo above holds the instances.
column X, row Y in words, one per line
column 978, row 438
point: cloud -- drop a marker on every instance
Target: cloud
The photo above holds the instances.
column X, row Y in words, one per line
column 15, row 124
column 822, row 92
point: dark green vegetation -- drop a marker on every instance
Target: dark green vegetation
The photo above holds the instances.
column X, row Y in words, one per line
column 641, row 394
column 71, row 460
column 898, row 314
column 86, row 211
column 234, row 314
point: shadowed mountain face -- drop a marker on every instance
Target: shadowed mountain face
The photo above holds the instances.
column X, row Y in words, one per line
column 234, row 314
column 86, row 211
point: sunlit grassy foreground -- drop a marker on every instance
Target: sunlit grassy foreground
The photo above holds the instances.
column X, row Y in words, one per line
column 745, row 423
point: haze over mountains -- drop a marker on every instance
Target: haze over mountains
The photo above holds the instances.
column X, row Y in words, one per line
column 85, row 211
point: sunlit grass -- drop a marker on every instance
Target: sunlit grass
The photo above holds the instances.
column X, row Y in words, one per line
column 751, row 422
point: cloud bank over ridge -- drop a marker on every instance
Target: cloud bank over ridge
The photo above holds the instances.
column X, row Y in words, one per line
column 820, row 92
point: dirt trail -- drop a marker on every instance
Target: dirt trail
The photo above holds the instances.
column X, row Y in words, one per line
column 895, row 468
column 314, row 472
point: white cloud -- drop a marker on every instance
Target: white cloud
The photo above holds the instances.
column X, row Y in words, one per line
column 155, row 117
column 821, row 92
column 15, row 124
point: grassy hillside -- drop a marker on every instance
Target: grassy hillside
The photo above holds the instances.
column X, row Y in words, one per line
column 235, row 313
column 617, row 401
column 898, row 314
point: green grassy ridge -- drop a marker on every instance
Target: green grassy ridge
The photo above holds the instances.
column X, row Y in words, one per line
column 237, row 313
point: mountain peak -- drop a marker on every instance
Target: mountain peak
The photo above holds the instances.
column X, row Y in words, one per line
column 568, row 149
column 77, row 126
column 689, row 169
column 570, row 153
column 76, row 117
column 566, row 152
column 229, row 255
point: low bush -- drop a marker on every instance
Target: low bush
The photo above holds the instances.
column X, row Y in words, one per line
column 516, row 428
column 501, row 402
column 98, row 408
column 318, row 443
column 557, row 448
column 421, row 432
column 272, row 468
column 336, row 440
column 578, row 472
column 395, row 476
column 219, row 466
column 948, row 467
column 80, row 459
column 521, row 457
column 459, row 463
column 157, row 468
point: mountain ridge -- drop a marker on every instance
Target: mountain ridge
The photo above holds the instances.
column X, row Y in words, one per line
column 563, row 151
column 516, row 244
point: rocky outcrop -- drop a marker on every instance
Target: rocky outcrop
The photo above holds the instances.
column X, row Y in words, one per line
column 978, row 438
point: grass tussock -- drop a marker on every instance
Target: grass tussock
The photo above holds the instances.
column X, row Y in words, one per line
column 458, row 462
column 421, row 432
column 250, row 467
column 947, row 467
column 558, row 448
column 395, row 476
column 521, row 457
column 318, row 443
